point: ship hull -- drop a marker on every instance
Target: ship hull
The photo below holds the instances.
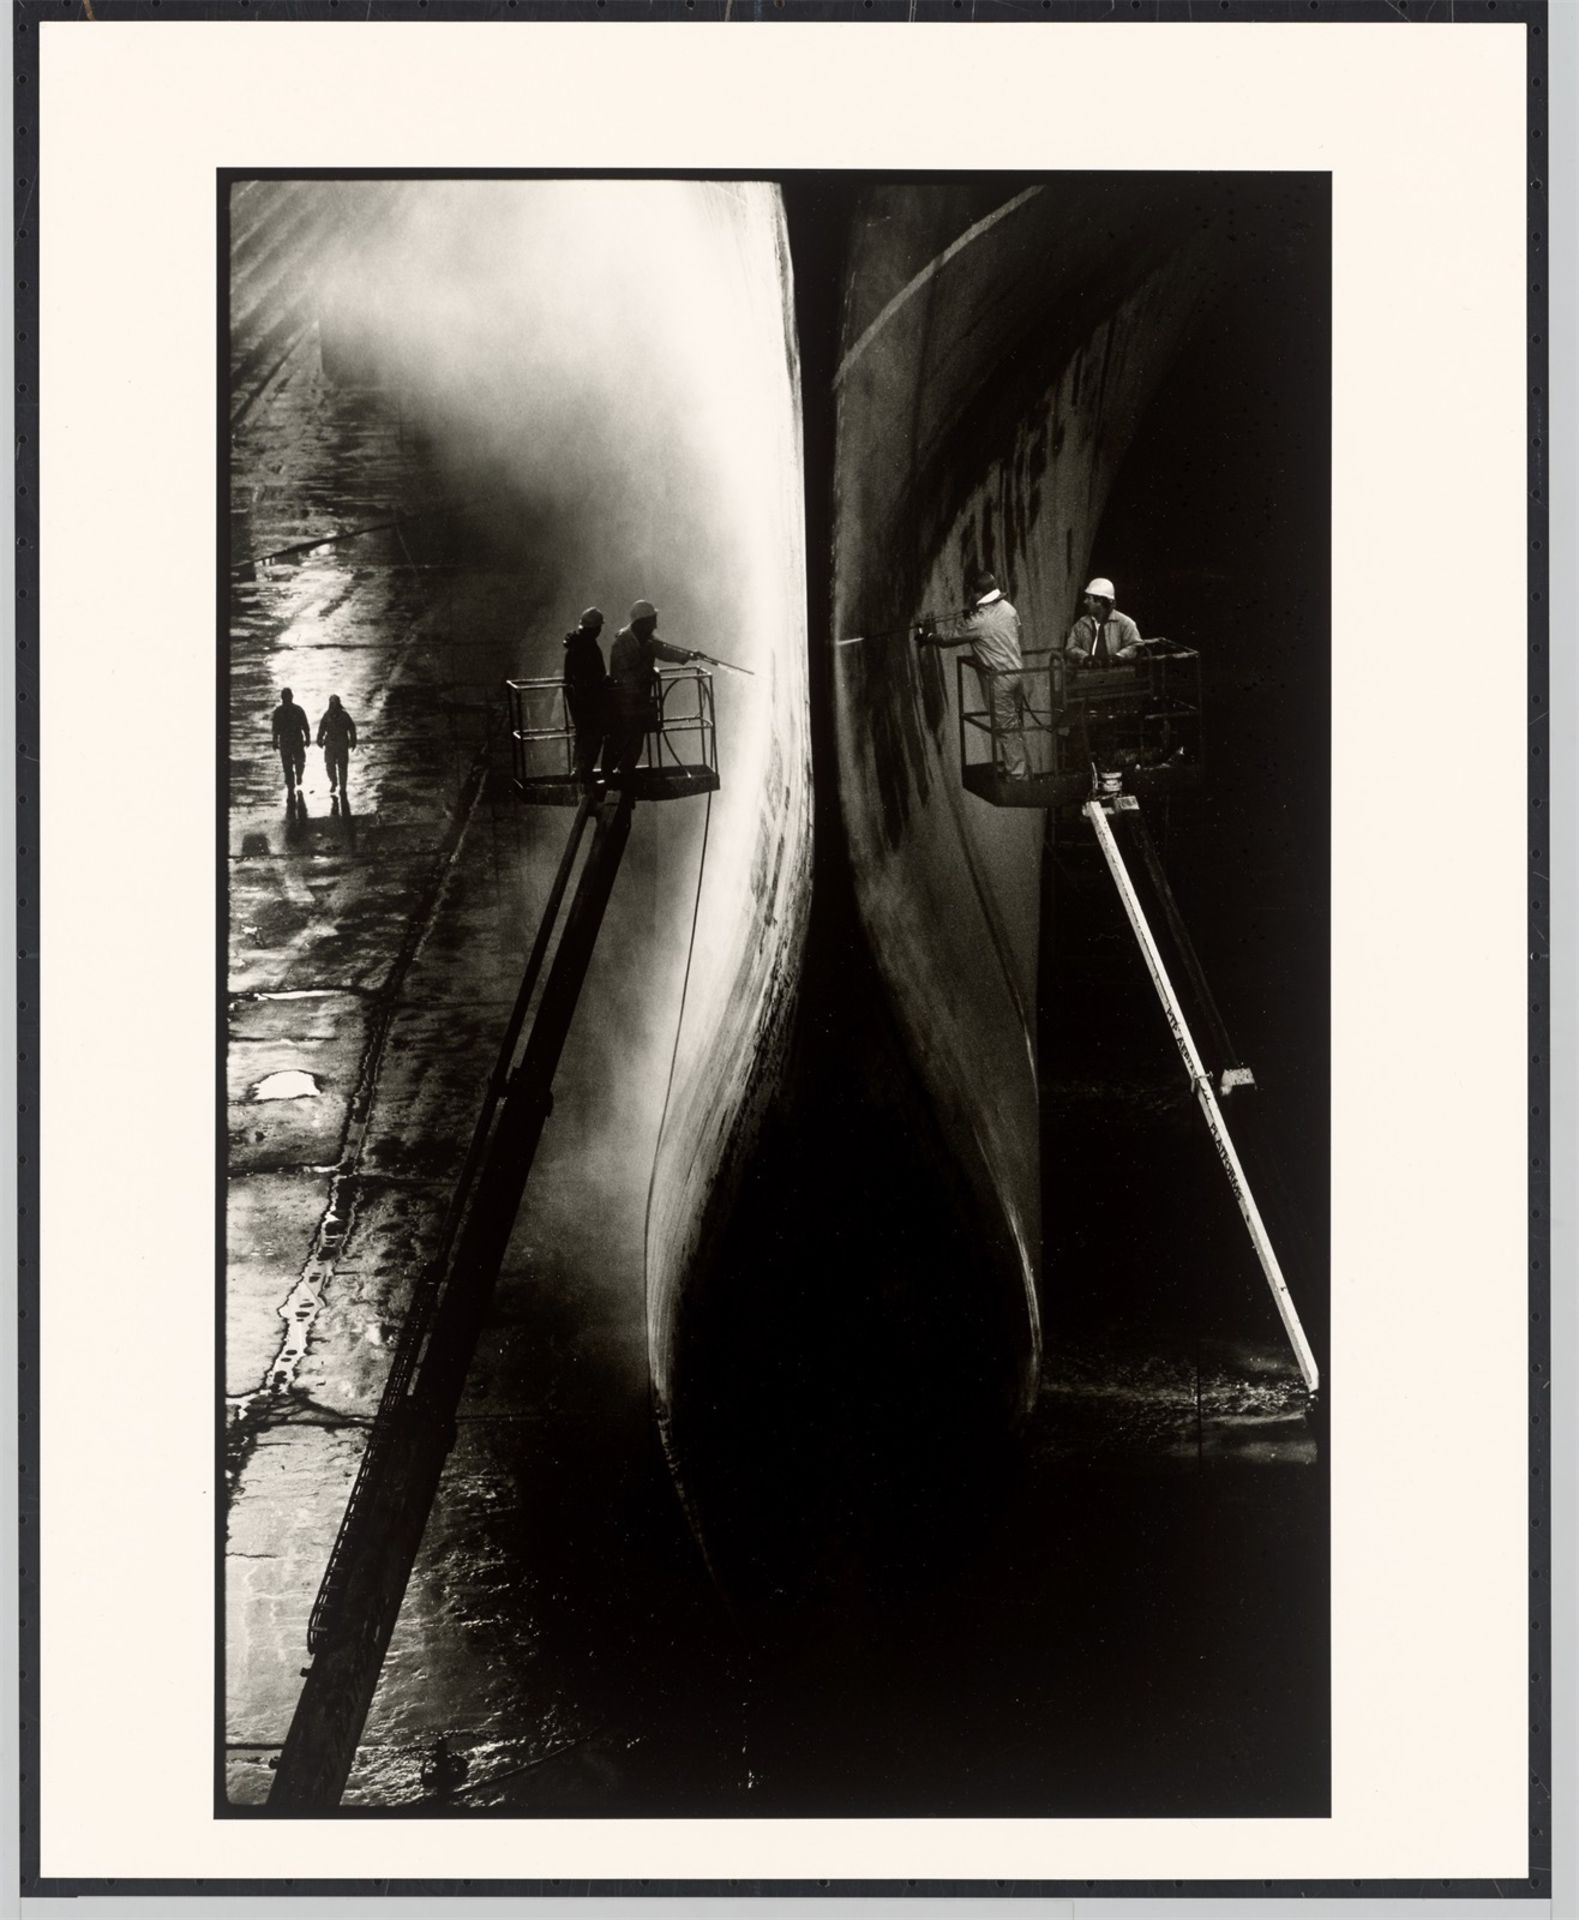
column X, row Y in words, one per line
column 845, row 1310
column 983, row 409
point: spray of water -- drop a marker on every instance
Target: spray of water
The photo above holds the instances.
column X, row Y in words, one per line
column 603, row 375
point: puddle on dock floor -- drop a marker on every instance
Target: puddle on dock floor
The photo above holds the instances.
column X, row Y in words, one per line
column 287, row 1085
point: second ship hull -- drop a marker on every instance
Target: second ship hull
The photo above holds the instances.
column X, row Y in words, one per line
column 846, row 1326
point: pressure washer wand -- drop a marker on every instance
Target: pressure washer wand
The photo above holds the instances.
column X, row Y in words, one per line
column 910, row 627
column 728, row 665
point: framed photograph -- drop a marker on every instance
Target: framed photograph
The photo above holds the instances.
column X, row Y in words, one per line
column 831, row 740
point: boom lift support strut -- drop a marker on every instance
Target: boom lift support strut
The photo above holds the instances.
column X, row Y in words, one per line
column 415, row 1427
column 1096, row 812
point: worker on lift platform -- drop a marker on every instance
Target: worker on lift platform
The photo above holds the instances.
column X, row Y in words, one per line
column 1102, row 635
column 633, row 686
column 990, row 627
column 586, row 691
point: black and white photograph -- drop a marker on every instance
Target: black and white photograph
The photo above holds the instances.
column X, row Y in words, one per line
column 787, row 1064
column 775, row 808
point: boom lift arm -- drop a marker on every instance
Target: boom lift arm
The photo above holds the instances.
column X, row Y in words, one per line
column 1201, row 1082
column 415, row 1426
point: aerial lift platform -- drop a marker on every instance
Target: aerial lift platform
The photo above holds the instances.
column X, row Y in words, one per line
column 415, row 1425
column 679, row 756
column 1097, row 742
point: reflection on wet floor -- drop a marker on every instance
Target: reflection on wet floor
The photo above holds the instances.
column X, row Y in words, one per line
column 1149, row 1407
column 290, row 1085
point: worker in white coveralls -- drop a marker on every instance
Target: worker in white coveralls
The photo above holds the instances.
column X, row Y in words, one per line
column 990, row 627
column 1101, row 634
column 633, row 687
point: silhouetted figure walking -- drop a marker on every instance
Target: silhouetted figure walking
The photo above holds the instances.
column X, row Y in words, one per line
column 337, row 736
column 586, row 691
column 290, row 733
column 633, row 686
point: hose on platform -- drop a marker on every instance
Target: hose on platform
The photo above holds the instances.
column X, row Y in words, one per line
column 679, row 1028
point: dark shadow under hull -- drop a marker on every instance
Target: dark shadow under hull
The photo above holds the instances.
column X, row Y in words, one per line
column 856, row 1355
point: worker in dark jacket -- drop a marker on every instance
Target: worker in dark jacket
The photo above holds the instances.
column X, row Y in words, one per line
column 337, row 736
column 1101, row 636
column 586, row 691
column 633, row 685
column 990, row 627
column 290, row 734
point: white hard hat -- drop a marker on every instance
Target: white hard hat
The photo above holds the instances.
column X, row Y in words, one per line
column 1103, row 589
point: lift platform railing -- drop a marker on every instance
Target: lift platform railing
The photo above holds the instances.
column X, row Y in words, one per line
column 1141, row 716
column 679, row 746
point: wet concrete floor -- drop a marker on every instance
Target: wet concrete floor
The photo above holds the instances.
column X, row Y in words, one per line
column 1137, row 1620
